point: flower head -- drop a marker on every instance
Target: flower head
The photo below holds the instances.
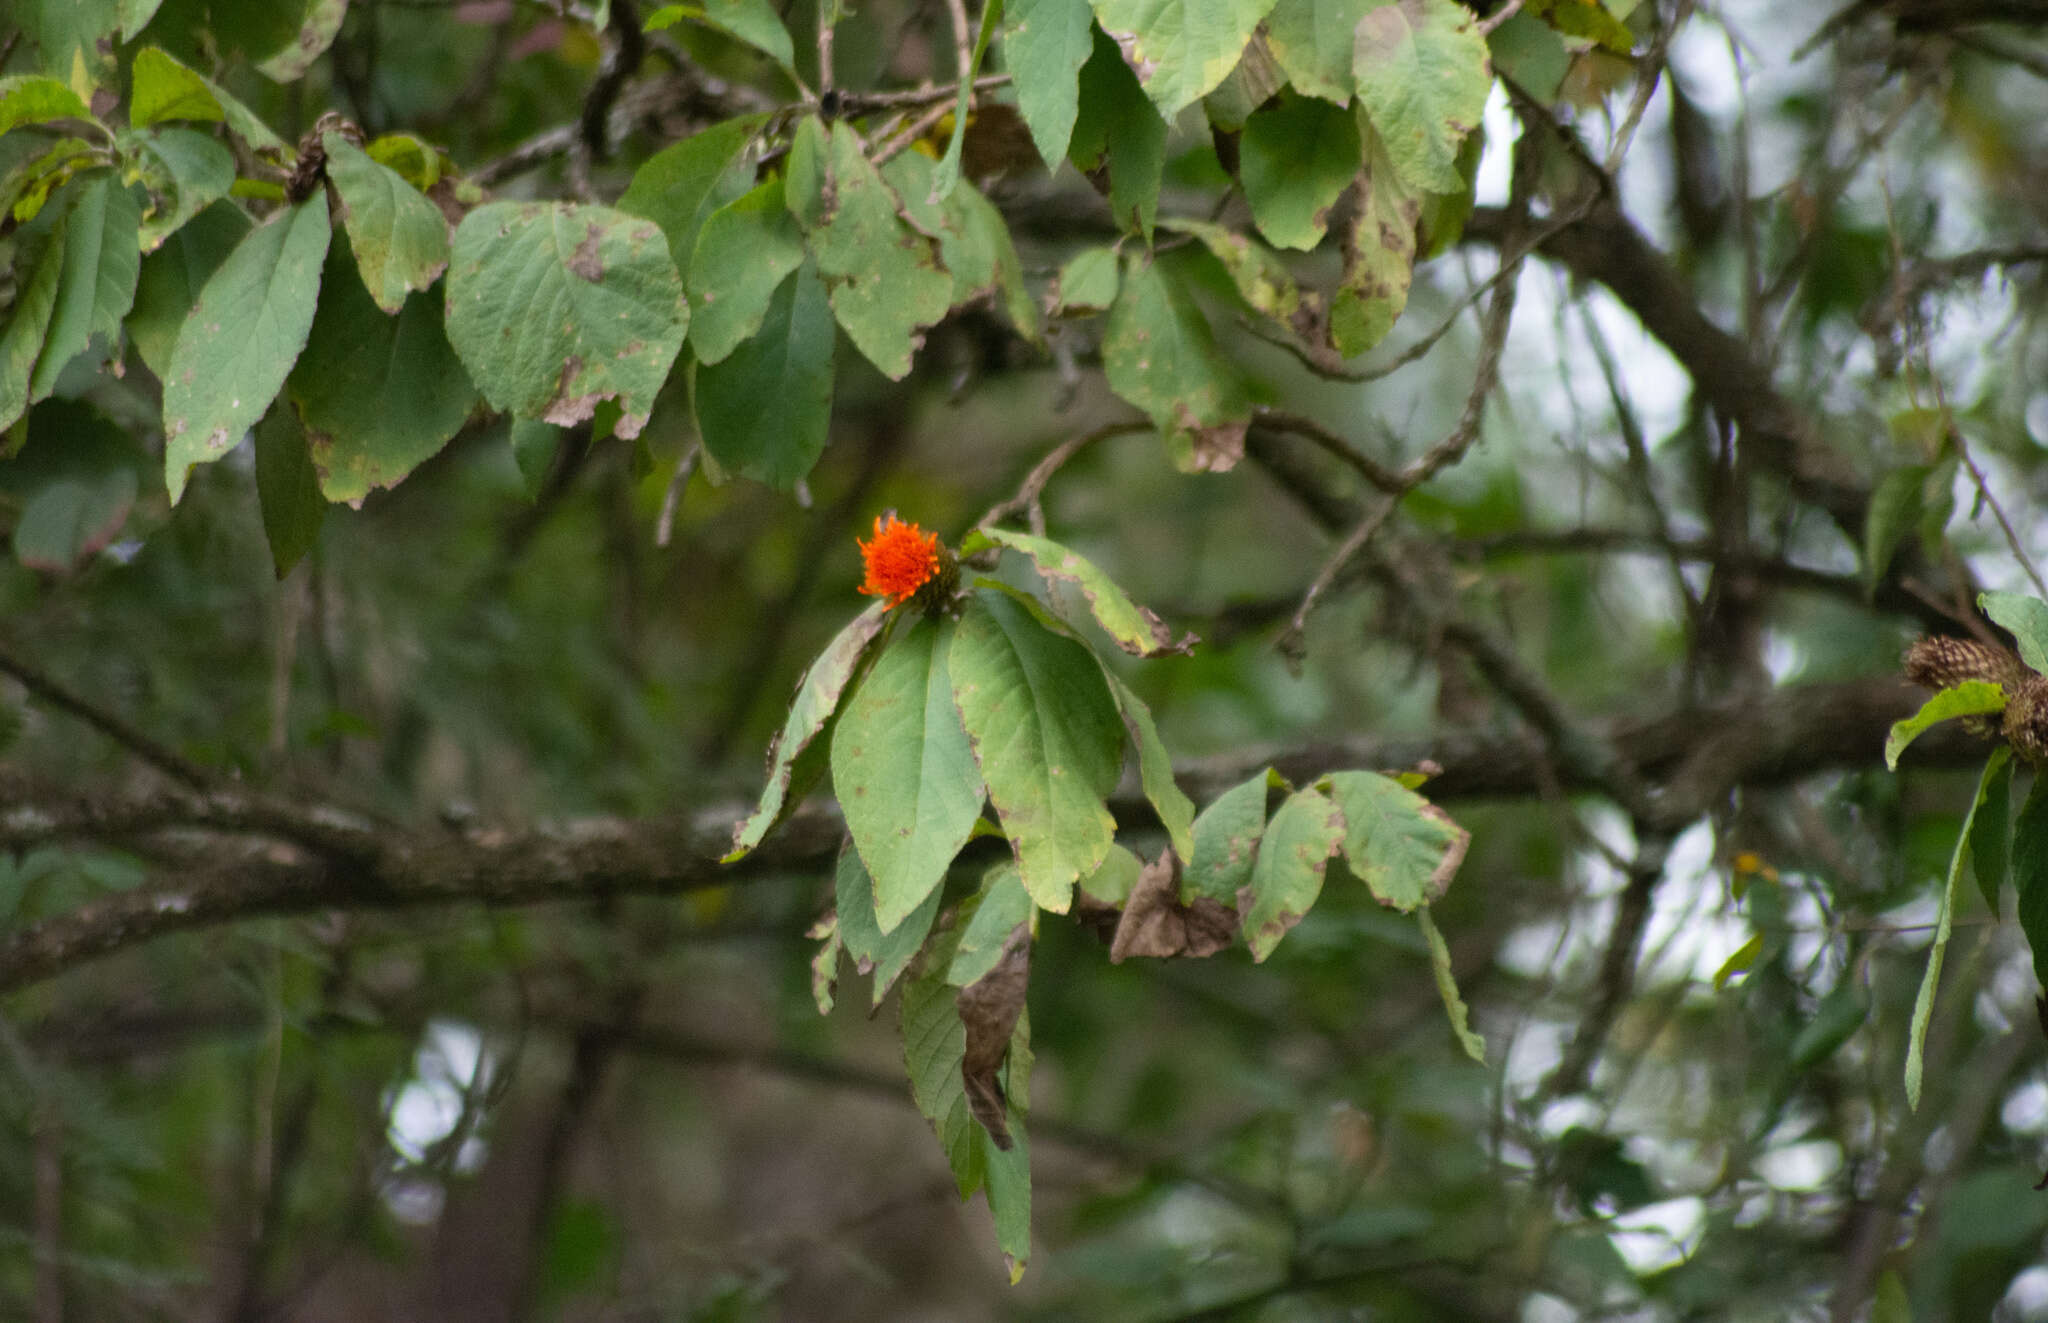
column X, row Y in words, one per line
column 901, row 559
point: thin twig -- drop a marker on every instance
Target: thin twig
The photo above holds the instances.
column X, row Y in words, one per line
column 165, row 759
column 1033, row 487
column 911, row 132
column 1499, row 16
column 828, row 18
column 672, row 499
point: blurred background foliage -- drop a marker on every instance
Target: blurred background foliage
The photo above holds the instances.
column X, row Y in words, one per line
column 628, row 1109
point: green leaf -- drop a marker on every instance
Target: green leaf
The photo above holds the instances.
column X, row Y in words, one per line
column 286, row 488
column 1155, row 770
column 378, row 395
column 752, row 21
column 1045, row 43
column 1585, row 18
column 1087, row 283
column 21, row 340
column 1132, row 627
column 534, row 447
column 1836, row 1016
column 1889, row 1303
column 1404, row 848
column 1262, row 280
column 1250, row 85
column 241, row 339
column 1447, row 987
column 417, row 162
column 1181, row 48
column 28, row 185
column 1297, row 156
column 165, row 89
column 1001, row 905
column 1047, row 737
column 399, row 238
column 934, row 1045
column 1112, row 881
column 1969, row 698
column 555, row 307
column 73, row 519
column 806, row 182
column 1287, row 875
column 946, row 175
column 190, row 170
column 1119, row 129
column 2030, row 872
column 1312, row 40
column 1423, row 76
column 172, row 277
column 97, row 284
column 1158, row 354
column 2026, row 619
column 1991, row 837
column 135, row 16
column 745, row 252
column 885, row 955
column 1930, row 982
column 682, row 184
column 1226, row 836
column 1528, row 52
column 34, row 99
column 883, row 278
column 1894, row 512
column 1008, row 1184
column 765, row 408
column 796, row 758
column 75, row 38
column 825, row 964
column 974, row 242
column 319, row 23
column 1379, row 256
column 903, row 772
column 1740, row 962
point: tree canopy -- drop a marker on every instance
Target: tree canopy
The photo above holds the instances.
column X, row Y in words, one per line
column 1398, row 645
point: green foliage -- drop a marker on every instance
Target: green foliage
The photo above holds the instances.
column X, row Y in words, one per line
column 1970, row 698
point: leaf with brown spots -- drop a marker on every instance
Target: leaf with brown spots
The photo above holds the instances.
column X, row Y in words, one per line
column 1156, row 924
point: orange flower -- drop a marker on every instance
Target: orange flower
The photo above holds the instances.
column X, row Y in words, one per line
column 902, row 559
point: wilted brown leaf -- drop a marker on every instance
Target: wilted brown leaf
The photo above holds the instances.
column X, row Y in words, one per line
column 1155, row 923
column 989, row 1007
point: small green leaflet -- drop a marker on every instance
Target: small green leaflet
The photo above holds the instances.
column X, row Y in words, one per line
column 1895, row 509
column 319, row 23
column 1133, row 628
column 1001, row 906
column 2027, row 620
column 1155, row 770
column 1970, row 698
column 1045, row 43
column 1087, row 283
column 165, row 89
column 97, row 284
column 1158, row 354
column 1312, row 40
column 173, row 275
column 34, row 99
column 1120, row 131
column 378, row 395
column 1740, row 961
column 947, row 173
column 883, row 955
column 1991, row 836
column 1181, row 48
column 682, row 184
column 745, row 250
column 72, row 519
column 1227, row 835
column 21, row 339
column 399, row 238
column 1047, row 736
column 752, row 21
column 1447, row 987
column 1287, row 875
column 286, row 488
column 1379, row 256
column 764, row 409
column 903, row 772
column 795, row 758
column 556, row 307
column 1923, row 1005
column 237, row 345
column 1297, row 157
column 884, row 278
column 190, row 170
column 1423, row 76
column 1835, row 1018
column 1404, row 848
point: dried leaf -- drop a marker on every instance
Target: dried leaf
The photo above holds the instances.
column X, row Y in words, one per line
column 1156, row 924
column 989, row 1007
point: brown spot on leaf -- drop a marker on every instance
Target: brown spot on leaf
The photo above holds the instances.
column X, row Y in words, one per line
column 1454, row 854
column 989, row 1007
column 1217, row 447
column 1156, row 924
